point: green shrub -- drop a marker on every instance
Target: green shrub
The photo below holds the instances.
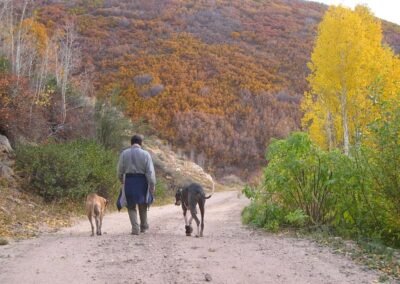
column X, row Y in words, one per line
column 268, row 216
column 70, row 170
column 250, row 192
column 368, row 207
column 4, row 65
column 356, row 196
column 381, row 162
column 296, row 218
column 313, row 187
column 112, row 128
column 249, row 213
column 161, row 190
column 301, row 176
column 271, row 216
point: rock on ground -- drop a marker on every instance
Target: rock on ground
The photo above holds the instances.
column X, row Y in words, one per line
column 5, row 146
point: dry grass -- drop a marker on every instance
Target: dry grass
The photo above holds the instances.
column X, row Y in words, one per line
column 371, row 254
column 25, row 215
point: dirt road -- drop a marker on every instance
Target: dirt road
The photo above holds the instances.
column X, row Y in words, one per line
column 229, row 253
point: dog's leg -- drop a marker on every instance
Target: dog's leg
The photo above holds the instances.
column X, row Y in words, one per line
column 194, row 216
column 97, row 219
column 185, row 216
column 101, row 221
column 201, row 205
column 91, row 223
column 97, row 212
column 190, row 223
column 188, row 228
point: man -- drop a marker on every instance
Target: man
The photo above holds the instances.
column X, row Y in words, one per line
column 136, row 173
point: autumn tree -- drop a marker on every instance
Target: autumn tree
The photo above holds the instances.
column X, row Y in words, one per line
column 37, row 61
column 65, row 55
column 348, row 59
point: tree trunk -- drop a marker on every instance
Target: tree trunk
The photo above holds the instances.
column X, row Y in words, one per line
column 18, row 64
column 65, row 65
column 329, row 131
column 6, row 28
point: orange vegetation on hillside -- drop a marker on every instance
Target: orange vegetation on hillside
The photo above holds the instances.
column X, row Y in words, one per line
column 217, row 78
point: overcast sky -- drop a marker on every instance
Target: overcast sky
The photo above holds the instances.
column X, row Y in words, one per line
column 385, row 9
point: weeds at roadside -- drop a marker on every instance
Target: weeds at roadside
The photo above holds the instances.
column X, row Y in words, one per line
column 372, row 254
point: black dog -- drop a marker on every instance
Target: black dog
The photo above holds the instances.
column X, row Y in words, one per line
column 190, row 196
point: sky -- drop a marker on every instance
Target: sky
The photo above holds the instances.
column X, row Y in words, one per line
column 385, row 9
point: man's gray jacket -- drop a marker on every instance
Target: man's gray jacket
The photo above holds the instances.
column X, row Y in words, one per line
column 135, row 160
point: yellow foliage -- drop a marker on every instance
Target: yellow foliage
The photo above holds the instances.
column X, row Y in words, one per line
column 35, row 33
column 351, row 72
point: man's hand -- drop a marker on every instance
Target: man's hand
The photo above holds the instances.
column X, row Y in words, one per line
column 152, row 190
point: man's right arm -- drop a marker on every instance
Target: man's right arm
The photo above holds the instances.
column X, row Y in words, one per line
column 121, row 168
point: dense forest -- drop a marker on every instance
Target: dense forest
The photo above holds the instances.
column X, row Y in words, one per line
column 217, row 79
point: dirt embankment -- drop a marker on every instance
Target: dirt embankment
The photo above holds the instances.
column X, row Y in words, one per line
column 228, row 253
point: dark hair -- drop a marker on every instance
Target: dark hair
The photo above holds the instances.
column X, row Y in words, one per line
column 136, row 139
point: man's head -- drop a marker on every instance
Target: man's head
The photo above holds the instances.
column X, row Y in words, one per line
column 137, row 139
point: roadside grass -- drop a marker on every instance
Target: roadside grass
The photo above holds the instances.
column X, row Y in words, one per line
column 370, row 254
column 24, row 215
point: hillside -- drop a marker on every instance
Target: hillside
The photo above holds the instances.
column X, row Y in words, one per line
column 217, row 79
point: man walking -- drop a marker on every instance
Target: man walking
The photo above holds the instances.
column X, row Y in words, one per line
column 136, row 173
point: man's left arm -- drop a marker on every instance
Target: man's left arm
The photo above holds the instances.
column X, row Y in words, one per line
column 150, row 174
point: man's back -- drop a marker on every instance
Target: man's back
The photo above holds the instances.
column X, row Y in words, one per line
column 135, row 160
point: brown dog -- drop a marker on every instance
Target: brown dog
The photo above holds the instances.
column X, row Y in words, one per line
column 96, row 207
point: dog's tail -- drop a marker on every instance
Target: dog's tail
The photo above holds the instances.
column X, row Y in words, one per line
column 213, row 186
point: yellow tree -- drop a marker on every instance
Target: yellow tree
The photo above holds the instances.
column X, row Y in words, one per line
column 346, row 61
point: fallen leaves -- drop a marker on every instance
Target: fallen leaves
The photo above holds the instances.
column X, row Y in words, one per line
column 25, row 215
